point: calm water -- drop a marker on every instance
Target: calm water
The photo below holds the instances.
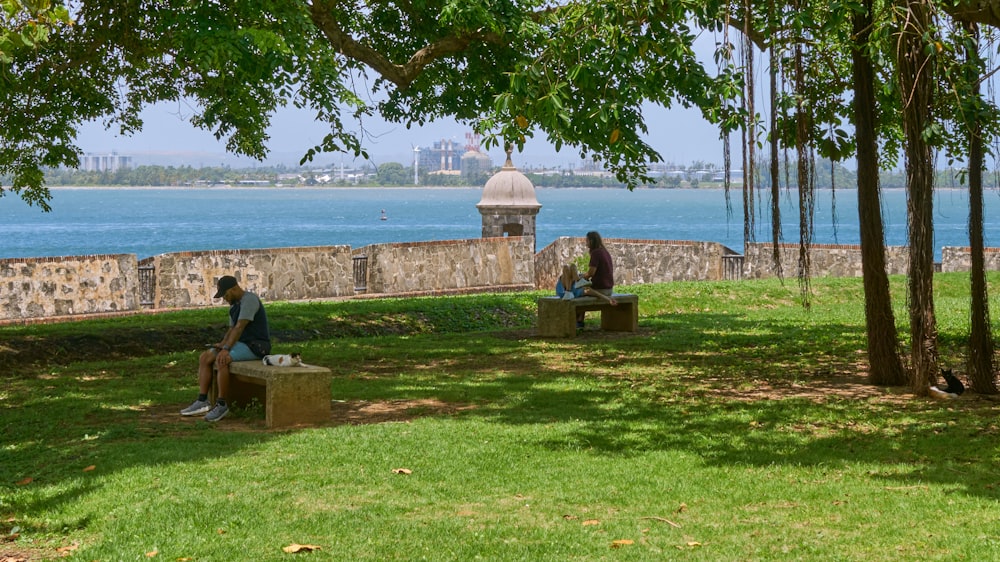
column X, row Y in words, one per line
column 147, row 222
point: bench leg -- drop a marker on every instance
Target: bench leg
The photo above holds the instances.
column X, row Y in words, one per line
column 556, row 320
column 621, row 318
column 293, row 399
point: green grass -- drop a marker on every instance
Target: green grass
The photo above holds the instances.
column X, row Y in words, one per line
column 735, row 426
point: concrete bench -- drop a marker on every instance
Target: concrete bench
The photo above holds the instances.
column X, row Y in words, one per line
column 557, row 317
column 290, row 395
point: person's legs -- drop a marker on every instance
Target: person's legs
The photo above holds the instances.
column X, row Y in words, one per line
column 603, row 294
column 205, row 362
column 201, row 405
column 239, row 352
column 569, row 276
column 242, row 352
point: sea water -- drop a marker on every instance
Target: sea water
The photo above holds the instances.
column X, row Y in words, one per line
column 151, row 221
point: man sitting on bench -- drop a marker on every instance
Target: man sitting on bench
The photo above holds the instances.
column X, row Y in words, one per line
column 248, row 338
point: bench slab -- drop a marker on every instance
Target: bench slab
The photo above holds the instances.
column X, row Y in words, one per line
column 557, row 317
column 290, row 395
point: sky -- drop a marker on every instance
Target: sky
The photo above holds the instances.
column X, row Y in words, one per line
column 168, row 138
column 680, row 135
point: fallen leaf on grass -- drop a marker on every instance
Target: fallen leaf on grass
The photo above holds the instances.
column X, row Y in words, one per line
column 26, row 481
column 89, row 468
column 293, row 548
column 152, row 554
column 682, row 508
column 621, row 542
column 65, row 550
column 591, row 522
column 402, row 471
column 569, row 517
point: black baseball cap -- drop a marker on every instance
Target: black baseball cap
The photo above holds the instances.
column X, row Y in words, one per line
column 225, row 283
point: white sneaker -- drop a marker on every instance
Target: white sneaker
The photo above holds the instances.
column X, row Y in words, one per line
column 582, row 283
column 567, row 296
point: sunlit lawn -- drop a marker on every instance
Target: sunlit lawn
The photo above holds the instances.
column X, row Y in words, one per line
column 735, row 425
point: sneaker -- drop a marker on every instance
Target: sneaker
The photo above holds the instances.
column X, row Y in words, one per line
column 567, row 296
column 217, row 413
column 199, row 407
column 582, row 283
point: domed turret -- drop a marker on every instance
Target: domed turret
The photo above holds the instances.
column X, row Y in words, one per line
column 508, row 205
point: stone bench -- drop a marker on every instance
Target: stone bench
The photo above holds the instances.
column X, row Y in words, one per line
column 290, row 395
column 557, row 317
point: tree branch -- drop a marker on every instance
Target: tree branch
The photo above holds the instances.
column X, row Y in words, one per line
column 402, row 75
column 983, row 12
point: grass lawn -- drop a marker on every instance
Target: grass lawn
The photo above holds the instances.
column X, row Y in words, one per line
column 735, row 425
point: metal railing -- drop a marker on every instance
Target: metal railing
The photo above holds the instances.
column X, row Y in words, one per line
column 360, row 274
column 732, row 267
column 147, row 285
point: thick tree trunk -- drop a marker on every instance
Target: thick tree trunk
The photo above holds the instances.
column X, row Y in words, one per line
column 885, row 365
column 916, row 81
column 980, row 366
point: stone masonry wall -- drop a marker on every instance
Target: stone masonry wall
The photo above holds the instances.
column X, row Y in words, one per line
column 954, row 258
column 637, row 261
column 827, row 260
column 65, row 286
column 450, row 264
column 187, row 279
column 38, row 288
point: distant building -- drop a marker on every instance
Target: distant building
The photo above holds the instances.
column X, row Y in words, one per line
column 448, row 157
column 441, row 156
column 105, row 162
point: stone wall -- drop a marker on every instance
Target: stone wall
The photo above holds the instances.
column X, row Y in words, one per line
column 448, row 265
column 954, row 258
column 187, row 279
column 66, row 286
column 826, row 260
column 38, row 288
column 637, row 261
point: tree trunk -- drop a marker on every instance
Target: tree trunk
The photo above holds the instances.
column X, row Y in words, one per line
column 885, row 365
column 980, row 365
column 916, row 81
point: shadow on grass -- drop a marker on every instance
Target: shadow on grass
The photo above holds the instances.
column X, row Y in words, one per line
column 688, row 382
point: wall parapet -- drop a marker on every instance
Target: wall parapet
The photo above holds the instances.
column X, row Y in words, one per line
column 35, row 289
column 959, row 258
column 638, row 261
column 67, row 286
column 826, row 260
column 187, row 279
column 443, row 265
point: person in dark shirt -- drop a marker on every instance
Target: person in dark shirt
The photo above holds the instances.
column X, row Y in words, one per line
column 600, row 273
column 247, row 338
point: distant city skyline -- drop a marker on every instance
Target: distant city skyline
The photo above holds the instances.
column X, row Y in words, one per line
column 680, row 135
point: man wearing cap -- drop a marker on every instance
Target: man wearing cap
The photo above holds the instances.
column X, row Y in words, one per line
column 248, row 338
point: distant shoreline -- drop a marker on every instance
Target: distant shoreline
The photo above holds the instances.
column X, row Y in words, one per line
column 735, row 188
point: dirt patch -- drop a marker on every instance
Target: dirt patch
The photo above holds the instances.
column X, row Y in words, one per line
column 360, row 412
column 346, row 412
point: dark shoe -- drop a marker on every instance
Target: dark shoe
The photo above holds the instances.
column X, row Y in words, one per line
column 217, row 413
column 579, row 325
